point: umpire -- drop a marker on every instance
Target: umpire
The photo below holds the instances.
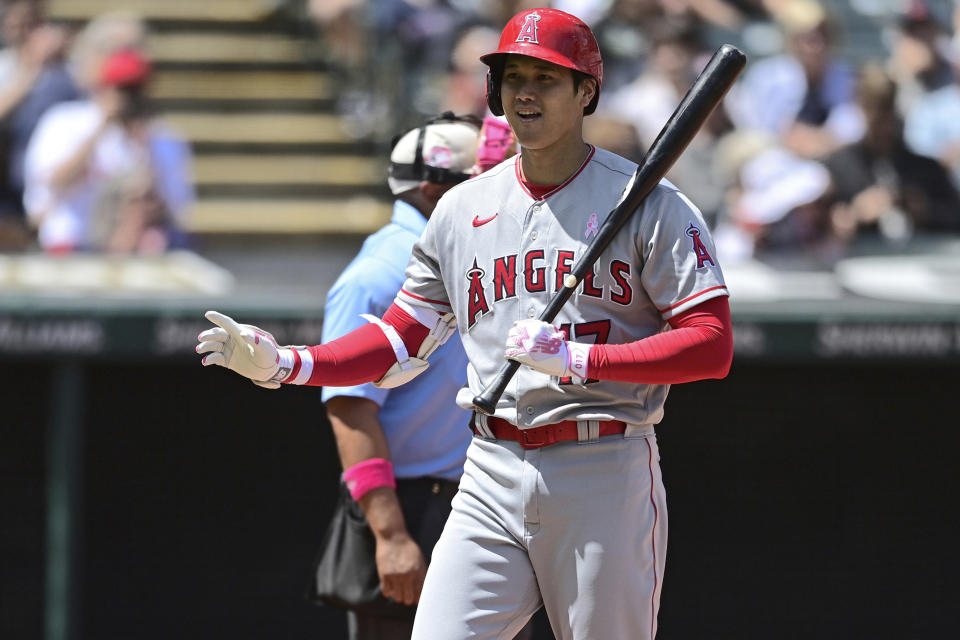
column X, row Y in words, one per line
column 402, row 449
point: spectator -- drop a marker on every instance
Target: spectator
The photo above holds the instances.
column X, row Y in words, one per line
column 100, row 38
column 361, row 64
column 726, row 15
column 342, row 27
column 779, row 208
column 676, row 57
column 497, row 12
column 33, row 77
column 744, row 22
column 920, row 55
column 624, row 40
column 391, row 59
column 884, row 189
column 803, row 96
column 590, row 11
column 932, row 118
column 467, row 79
column 107, row 164
column 649, row 100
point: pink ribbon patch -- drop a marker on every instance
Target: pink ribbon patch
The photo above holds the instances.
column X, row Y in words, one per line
column 592, row 226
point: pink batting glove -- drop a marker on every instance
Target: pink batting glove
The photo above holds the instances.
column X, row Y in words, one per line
column 544, row 348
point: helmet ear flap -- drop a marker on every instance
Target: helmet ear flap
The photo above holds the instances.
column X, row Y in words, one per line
column 494, row 101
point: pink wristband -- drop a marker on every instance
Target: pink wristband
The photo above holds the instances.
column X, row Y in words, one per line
column 368, row 475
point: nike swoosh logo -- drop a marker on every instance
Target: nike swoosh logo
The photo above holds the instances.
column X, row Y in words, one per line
column 477, row 222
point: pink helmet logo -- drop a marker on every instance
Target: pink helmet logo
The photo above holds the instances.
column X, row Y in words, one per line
column 439, row 157
column 528, row 32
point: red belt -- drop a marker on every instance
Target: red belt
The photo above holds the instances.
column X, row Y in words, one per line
column 548, row 434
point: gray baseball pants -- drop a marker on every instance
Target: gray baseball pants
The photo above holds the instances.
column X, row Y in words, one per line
column 577, row 527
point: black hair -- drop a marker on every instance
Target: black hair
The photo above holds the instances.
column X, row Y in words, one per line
column 579, row 77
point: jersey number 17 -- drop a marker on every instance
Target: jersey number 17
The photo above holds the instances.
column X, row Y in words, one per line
column 599, row 329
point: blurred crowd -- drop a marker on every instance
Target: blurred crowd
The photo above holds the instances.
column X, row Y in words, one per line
column 85, row 163
column 823, row 147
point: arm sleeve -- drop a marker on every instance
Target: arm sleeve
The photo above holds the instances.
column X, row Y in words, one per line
column 698, row 346
column 364, row 354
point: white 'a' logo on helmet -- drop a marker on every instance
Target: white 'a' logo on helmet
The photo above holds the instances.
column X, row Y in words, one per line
column 529, row 30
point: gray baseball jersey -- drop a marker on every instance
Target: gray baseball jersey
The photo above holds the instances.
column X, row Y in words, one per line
column 492, row 254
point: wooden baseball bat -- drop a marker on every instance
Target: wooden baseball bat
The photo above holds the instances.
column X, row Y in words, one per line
column 701, row 99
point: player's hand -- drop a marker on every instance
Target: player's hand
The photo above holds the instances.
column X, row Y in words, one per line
column 543, row 347
column 243, row 348
column 401, row 567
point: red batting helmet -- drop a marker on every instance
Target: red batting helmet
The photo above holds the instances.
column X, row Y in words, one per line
column 545, row 34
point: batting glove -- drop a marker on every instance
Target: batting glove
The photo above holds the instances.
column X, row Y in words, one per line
column 545, row 348
column 243, row 348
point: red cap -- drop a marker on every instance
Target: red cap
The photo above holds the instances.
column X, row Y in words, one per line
column 551, row 35
column 125, row 68
column 546, row 34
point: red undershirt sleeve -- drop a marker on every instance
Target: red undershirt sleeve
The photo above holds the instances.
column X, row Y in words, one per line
column 698, row 346
column 365, row 354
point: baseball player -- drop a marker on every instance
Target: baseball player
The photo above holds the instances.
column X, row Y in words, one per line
column 561, row 504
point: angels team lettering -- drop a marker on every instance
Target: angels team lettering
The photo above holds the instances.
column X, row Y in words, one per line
column 534, row 271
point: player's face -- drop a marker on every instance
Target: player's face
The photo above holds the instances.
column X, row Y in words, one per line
column 540, row 103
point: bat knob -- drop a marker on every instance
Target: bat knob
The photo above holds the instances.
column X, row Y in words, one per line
column 484, row 405
column 730, row 54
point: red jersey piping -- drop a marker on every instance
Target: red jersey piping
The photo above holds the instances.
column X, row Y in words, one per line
column 653, row 539
column 407, row 293
column 674, row 306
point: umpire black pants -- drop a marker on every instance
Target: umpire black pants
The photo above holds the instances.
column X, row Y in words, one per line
column 426, row 504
